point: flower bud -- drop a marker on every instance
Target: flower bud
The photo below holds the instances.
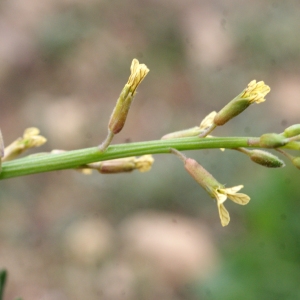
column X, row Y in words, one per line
column 120, row 165
column 272, row 140
column 296, row 162
column 120, row 112
column 30, row 139
column 205, row 123
column 266, row 159
column 255, row 92
column 182, row 133
column 292, row 131
column 117, row 166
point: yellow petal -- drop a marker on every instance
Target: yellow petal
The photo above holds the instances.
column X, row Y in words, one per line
column 233, row 189
column 221, row 197
column 138, row 73
column 256, row 91
column 239, row 198
column 224, row 215
column 144, row 163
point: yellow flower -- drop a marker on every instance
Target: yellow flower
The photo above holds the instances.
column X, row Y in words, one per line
column 256, row 91
column 221, row 195
column 213, row 187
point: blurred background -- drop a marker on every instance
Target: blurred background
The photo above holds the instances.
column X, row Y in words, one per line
column 155, row 235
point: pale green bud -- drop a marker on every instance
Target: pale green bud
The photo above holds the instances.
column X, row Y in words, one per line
column 266, row 159
column 205, row 123
column 296, row 162
column 272, row 140
column 182, row 133
column 292, row 131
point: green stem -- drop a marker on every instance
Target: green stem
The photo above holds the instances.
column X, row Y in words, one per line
column 76, row 158
column 110, row 135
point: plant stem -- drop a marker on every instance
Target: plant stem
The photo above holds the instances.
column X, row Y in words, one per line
column 76, row 158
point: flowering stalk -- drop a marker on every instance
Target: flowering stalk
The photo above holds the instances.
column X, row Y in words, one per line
column 76, row 158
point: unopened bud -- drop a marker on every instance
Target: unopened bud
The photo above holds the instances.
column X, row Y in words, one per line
column 30, row 139
column 296, row 162
column 117, row 166
column 182, row 133
column 255, row 92
column 205, row 123
column 292, row 131
column 120, row 112
column 272, row 140
column 266, row 159
column 121, row 165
